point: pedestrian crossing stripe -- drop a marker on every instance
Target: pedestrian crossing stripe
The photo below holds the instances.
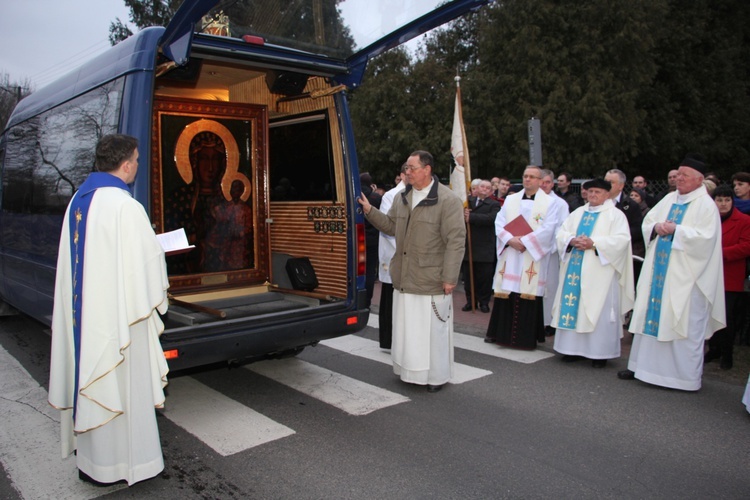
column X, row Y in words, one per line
column 347, row 394
column 477, row 344
column 30, row 440
column 370, row 349
column 224, row 424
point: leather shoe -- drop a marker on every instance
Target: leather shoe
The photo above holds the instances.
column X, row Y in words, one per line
column 711, row 355
column 626, row 375
column 88, row 479
column 569, row 358
column 466, row 308
column 434, row 388
column 549, row 331
column 489, row 340
column 484, row 308
column 598, row 363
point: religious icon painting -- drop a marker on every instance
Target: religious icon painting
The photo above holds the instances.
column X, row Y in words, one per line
column 208, row 169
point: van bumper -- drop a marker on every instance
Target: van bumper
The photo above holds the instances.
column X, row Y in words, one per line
column 247, row 343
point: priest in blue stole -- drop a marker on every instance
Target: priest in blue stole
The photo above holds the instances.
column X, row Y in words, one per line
column 596, row 279
column 107, row 368
column 680, row 297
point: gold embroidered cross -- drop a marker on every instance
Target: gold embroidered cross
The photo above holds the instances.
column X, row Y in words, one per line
column 530, row 272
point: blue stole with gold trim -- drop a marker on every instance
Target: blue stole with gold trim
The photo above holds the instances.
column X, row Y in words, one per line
column 571, row 292
column 79, row 211
column 661, row 262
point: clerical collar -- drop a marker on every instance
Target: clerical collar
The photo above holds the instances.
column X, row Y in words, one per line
column 526, row 197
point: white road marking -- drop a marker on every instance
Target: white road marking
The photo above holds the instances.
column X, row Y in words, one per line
column 345, row 393
column 222, row 423
column 365, row 348
column 477, row 344
column 30, row 440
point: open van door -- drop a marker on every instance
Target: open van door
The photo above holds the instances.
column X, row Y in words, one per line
column 340, row 34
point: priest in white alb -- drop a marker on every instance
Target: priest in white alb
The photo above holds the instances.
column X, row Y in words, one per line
column 107, row 368
column 680, row 298
column 525, row 229
column 596, row 279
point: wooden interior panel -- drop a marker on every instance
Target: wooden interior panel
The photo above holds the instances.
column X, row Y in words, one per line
column 322, row 239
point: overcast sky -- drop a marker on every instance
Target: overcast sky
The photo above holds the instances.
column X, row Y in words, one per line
column 41, row 40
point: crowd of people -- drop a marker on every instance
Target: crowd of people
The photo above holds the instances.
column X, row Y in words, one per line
column 580, row 263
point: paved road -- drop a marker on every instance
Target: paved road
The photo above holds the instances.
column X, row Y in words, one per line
column 336, row 423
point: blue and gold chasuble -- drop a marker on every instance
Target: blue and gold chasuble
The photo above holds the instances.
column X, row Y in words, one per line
column 79, row 210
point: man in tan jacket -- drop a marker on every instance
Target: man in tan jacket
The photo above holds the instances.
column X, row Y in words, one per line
column 427, row 221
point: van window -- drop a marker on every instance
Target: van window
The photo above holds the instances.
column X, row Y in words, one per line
column 46, row 159
column 49, row 156
column 301, row 166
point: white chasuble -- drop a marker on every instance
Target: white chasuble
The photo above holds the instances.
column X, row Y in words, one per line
column 525, row 272
column 692, row 302
column 606, row 285
column 695, row 263
column 122, row 370
column 611, row 261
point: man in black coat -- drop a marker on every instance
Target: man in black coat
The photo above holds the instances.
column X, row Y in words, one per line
column 632, row 211
column 480, row 215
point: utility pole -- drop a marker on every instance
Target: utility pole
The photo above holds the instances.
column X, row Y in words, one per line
column 16, row 94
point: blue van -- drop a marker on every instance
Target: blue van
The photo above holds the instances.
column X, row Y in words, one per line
column 245, row 144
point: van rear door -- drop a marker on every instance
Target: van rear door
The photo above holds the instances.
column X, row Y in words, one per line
column 346, row 33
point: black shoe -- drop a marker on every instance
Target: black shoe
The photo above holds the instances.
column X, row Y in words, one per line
column 569, row 358
column 626, row 375
column 599, row 363
column 726, row 364
column 88, row 479
column 434, row 388
column 489, row 340
column 711, row 355
column 484, row 308
column 466, row 308
column 549, row 331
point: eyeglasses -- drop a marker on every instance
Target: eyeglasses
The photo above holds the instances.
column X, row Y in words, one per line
column 409, row 167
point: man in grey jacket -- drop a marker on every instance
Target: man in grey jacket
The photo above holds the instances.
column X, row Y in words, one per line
column 427, row 221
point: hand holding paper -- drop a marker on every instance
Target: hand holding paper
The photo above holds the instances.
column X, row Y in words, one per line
column 174, row 242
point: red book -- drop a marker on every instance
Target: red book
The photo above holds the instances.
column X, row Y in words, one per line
column 518, row 227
